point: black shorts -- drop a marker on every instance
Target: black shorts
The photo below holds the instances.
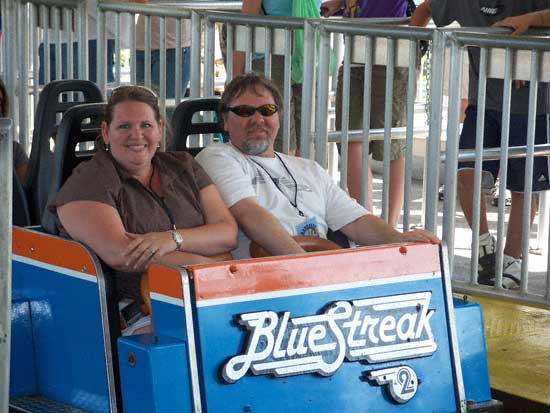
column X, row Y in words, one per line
column 515, row 180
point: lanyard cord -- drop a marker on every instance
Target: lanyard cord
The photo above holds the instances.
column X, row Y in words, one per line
column 159, row 199
column 276, row 183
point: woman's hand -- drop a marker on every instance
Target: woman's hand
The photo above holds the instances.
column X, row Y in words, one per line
column 143, row 249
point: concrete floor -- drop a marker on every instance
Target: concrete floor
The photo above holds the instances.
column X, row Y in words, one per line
column 538, row 264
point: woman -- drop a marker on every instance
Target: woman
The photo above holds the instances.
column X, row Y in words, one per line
column 20, row 159
column 134, row 205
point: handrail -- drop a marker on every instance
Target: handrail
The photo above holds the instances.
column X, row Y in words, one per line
column 6, row 170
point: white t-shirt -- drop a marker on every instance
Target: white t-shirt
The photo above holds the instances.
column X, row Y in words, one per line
column 240, row 176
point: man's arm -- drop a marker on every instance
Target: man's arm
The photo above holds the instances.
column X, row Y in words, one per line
column 264, row 228
column 422, row 15
column 522, row 23
column 371, row 230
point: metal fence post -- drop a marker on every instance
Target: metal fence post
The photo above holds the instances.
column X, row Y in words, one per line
column 431, row 179
column 6, row 169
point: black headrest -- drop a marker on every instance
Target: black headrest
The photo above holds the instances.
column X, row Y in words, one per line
column 183, row 125
column 54, row 100
column 81, row 124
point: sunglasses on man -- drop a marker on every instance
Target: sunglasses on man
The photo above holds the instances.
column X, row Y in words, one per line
column 245, row 111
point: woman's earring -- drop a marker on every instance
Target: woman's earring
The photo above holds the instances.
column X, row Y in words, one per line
column 107, row 147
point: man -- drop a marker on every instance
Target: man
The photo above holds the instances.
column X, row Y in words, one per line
column 273, row 196
column 475, row 13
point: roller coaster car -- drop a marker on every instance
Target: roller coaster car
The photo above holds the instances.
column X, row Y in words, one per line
column 368, row 329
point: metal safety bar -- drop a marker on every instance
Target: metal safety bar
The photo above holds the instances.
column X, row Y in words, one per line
column 507, row 58
column 6, row 170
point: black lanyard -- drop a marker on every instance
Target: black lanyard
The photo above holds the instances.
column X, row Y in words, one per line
column 276, row 183
column 160, row 200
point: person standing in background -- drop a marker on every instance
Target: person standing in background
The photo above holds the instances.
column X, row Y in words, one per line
column 275, row 8
column 91, row 9
column 519, row 15
column 171, row 25
column 373, row 8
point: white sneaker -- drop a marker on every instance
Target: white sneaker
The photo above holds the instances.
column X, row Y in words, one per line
column 511, row 272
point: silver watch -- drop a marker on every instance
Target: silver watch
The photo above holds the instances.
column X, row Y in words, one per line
column 178, row 239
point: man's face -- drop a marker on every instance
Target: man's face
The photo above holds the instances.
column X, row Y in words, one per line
column 253, row 135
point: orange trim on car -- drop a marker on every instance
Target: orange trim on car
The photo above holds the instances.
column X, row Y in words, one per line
column 52, row 250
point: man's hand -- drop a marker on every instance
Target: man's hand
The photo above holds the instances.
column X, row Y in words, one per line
column 520, row 24
column 419, row 235
column 330, row 7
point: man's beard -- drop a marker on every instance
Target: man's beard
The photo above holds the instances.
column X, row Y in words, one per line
column 256, row 146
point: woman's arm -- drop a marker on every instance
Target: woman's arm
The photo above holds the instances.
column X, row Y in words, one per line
column 100, row 227
column 251, row 8
column 218, row 235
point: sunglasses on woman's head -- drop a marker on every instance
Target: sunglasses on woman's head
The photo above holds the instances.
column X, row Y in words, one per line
column 245, row 111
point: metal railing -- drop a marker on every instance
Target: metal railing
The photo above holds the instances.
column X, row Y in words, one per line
column 6, row 168
column 508, row 58
column 370, row 43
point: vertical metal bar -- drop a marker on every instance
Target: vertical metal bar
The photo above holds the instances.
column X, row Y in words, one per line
column 57, row 37
column 267, row 51
column 23, row 50
column 503, row 173
column 249, row 48
column 477, row 196
column 117, row 49
column 101, row 61
column 35, row 63
column 209, row 48
column 308, row 83
column 68, row 25
column 162, row 76
column 147, row 50
column 287, row 91
column 195, row 54
column 451, row 149
column 44, row 22
column 344, row 126
column 133, row 65
column 162, row 70
column 83, row 66
column 179, row 64
column 365, row 143
column 6, row 170
column 390, row 64
column 411, row 96
column 529, row 161
column 321, row 133
column 229, row 43
column 431, row 177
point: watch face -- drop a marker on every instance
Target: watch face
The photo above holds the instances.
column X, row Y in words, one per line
column 177, row 237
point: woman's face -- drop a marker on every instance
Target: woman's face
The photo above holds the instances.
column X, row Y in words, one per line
column 134, row 135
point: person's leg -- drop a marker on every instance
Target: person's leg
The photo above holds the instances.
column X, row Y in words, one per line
column 515, row 225
column 297, row 98
column 516, row 179
column 355, row 162
column 397, row 190
column 355, row 152
column 465, row 189
column 170, row 73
